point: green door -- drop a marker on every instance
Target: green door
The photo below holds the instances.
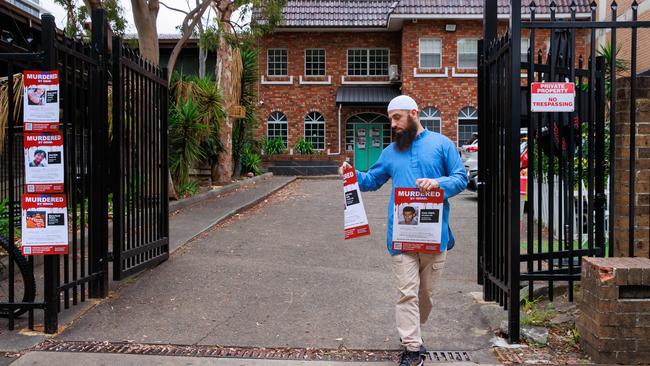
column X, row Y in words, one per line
column 367, row 144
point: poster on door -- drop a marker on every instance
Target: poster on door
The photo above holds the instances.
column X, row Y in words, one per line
column 41, row 100
column 361, row 138
column 44, row 224
column 417, row 220
column 355, row 219
column 375, row 136
column 43, row 162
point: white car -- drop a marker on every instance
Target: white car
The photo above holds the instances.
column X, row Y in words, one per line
column 469, row 156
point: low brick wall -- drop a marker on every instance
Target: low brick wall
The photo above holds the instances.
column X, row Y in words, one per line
column 614, row 321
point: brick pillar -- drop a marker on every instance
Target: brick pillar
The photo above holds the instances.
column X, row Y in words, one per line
column 614, row 303
column 621, row 188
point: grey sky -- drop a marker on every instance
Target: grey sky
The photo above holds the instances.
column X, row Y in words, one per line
column 167, row 19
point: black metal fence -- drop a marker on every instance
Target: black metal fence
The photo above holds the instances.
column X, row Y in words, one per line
column 570, row 154
column 137, row 135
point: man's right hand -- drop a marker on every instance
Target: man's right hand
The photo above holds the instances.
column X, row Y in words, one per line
column 344, row 166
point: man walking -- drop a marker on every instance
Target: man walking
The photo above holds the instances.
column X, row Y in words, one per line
column 426, row 160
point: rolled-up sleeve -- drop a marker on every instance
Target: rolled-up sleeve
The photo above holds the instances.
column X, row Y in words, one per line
column 455, row 180
column 377, row 175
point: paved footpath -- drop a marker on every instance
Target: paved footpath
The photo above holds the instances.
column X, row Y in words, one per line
column 281, row 275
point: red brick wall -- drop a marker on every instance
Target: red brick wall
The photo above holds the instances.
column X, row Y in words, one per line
column 449, row 94
column 297, row 100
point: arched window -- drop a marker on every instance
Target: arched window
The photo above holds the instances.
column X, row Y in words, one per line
column 277, row 127
column 430, row 119
column 315, row 130
column 467, row 124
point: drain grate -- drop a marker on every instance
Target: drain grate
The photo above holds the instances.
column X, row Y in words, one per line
column 450, row 356
column 306, row 354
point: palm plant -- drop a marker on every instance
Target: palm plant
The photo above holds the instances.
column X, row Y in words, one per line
column 243, row 128
column 186, row 134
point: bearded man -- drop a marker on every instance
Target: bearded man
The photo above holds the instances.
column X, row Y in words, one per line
column 421, row 159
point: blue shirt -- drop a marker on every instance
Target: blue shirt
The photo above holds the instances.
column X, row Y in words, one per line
column 431, row 155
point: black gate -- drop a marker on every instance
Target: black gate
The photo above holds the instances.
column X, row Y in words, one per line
column 91, row 142
column 542, row 237
column 140, row 232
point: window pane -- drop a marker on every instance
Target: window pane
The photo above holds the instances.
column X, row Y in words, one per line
column 358, row 62
column 467, row 53
column 430, row 46
column 277, row 62
column 315, row 130
column 525, row 44
column 430, row 60
column 277, row 127
column 315, row 62
column 467, row 60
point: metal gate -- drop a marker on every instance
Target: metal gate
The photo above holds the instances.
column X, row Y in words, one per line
column 541, row 238
column 138, row 199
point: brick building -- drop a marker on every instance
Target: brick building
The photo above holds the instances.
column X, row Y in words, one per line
column 328, row 72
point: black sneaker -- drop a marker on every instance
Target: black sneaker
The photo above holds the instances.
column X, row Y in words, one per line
column 412, row 358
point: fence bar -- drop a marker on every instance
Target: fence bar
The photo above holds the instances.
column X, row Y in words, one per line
column 11, row 203
column 612, row 127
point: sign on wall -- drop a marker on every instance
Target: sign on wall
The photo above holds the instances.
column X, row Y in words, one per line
column 552, row 97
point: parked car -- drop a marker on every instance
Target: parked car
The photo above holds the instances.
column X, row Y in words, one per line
column 469, row 156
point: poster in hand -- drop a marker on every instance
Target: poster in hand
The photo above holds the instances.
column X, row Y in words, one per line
column 45, row 224
column 417, row 220
column 41, row 100
column 355, row 219
column 43, row 162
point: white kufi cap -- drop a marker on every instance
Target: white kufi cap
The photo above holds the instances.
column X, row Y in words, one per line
column 402, row 102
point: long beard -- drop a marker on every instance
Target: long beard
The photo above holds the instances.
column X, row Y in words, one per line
column 404, row 139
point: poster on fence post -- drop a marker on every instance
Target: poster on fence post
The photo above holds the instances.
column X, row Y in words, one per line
column 44, row 224
column 355, row 219
column 41, row 100
column 43, row 162
column 417, row 220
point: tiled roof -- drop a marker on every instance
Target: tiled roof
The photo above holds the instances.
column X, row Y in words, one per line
column 475, row 7
column 375, row 13
column 336, row 13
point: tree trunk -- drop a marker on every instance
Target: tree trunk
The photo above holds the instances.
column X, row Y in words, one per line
column 203, row 56
column 228, row 71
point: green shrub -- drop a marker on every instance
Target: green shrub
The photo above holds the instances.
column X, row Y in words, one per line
column 304, row 147
column 186, row 134
column 188, row 188
column 4, row 218
column 250, row 160
column 273, row 146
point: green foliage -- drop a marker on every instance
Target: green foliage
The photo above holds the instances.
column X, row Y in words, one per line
column 78, row 14
column 574, row 336
column 209, row 39
column 273, row 146
column 304, row 147
column 607, row 51
column 533, row 313
column 4, row 218
column 188, row 188
column 251, row 160
column 186, row 135
column 243, row 128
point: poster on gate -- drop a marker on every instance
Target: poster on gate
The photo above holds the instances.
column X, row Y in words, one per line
column 355, row 219
column 417, row 220
column 43, row 162
column 41, row 100
column 44, row 224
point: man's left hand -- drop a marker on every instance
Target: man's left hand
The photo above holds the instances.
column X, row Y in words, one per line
column 426, row 184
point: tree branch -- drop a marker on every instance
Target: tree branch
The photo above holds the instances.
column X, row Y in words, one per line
column 195, row 16
column 173, row 9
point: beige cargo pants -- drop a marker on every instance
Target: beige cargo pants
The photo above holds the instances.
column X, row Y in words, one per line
column 416, row 273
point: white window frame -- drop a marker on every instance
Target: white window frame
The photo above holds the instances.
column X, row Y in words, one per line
column 347, row 57
column 420, row 52
column 524, row 49
column 464, row 117
column 458, row 53
column 324, row 60
column 315, row 121
column 278, row 121
column 267, row 60
column 432, row 117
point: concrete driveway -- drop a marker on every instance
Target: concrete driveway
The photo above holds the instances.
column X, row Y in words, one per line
column 281, row 275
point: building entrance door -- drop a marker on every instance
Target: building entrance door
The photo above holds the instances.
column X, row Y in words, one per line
column 368, row 139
